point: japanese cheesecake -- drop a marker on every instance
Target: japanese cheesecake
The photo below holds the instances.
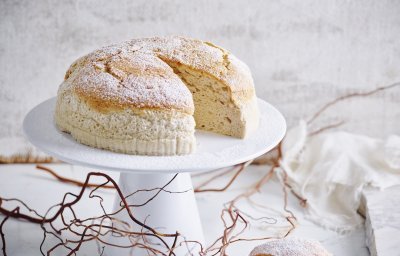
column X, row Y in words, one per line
column 146, row 96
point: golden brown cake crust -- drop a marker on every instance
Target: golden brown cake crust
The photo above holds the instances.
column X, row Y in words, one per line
column 137, row 74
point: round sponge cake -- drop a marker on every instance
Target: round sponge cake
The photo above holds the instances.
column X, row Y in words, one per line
column 146, row 96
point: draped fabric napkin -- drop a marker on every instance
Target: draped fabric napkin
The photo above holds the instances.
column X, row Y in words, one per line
column 331, row 169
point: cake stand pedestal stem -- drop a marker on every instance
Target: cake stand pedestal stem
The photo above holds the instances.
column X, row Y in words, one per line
column 173, row 210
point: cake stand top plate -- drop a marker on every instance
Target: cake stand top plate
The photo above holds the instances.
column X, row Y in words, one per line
column 213, row 150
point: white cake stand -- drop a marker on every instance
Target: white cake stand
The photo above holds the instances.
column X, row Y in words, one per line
column 169, row 212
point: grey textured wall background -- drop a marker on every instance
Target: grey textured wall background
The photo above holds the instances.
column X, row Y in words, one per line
column 302, row 53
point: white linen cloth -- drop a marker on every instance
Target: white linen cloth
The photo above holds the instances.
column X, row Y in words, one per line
column 331, row 169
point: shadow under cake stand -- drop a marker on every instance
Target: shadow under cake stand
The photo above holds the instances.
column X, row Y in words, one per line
column 169, row 212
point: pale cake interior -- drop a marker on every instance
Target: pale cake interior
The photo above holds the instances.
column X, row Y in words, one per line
column 214, row 110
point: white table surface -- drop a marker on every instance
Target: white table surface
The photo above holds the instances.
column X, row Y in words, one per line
column 41, row 191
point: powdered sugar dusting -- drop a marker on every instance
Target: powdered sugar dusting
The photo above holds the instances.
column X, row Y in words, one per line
column 136, row 73
column 290, row 247
column 118, row 76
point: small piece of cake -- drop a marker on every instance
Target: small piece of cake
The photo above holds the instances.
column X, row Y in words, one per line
column 146, row 96
column 290, row 247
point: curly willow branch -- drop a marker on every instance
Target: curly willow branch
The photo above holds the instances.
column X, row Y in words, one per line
column 84, row 235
